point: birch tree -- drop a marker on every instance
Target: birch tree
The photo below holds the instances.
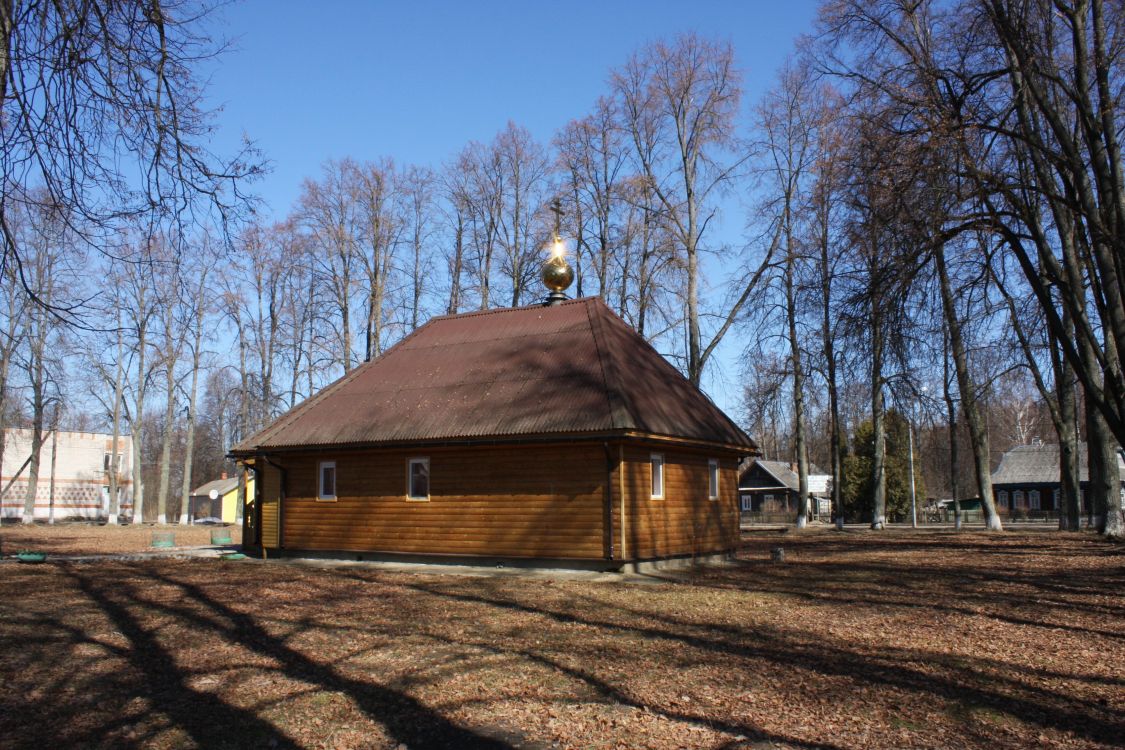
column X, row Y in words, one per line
column 678, row 102
column 418, row 186
column 380, row 226
column 593, row 156
column 787, row 122
column 197, row 309
column 170, row 293
column 328, row 211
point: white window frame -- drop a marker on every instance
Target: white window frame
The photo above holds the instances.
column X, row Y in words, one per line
column 656, row 472
column 1033, row 501
column 1018, row 499
column 1002, row 496
column 712, row 479
column 410, row 462
column 320, row 494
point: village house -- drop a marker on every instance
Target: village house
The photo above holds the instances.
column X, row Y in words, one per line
column 74, row 472
column 217, row 500
column 552, row 432
column 1026, row 484
column 770, row 488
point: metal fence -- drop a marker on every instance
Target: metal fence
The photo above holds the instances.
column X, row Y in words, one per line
column 941, row 517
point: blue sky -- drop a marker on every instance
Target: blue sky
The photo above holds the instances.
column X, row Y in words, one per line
column 416, row 81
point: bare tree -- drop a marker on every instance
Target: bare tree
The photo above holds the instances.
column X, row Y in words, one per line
column 140, row 309
column 593, row 155
column 476, row 182
column 788, row 122
column 103, row 113
column 328, row 211
column 678, row 102
column 196, row 310
column 418, row 185
column 12, row 334
column 1022, row 94
column 170, row 294
column 823, row 207
column 457, row 219
column 524, row 173
column 45, row 238
column 380, row 224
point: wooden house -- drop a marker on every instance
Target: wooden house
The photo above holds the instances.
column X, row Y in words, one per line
column 217, row 500
column 770, row 488
column 552, row 432
column 1026, row 484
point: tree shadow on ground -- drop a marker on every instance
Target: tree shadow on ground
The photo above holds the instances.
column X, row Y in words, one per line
column 942, row 676
column 405, row 718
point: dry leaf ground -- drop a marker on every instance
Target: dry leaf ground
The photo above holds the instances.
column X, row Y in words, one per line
column 859, row 640
column 92, row 539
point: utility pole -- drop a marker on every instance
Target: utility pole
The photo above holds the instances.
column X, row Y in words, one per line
column 910, row 445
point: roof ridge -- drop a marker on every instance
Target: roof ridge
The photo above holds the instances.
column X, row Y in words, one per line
column 619, row 412
column 669, row 366
column 764, row 463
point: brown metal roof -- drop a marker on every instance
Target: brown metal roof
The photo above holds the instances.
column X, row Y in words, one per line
column 564, row 370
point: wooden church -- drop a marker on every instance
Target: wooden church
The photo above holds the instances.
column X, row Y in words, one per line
column 553, row 432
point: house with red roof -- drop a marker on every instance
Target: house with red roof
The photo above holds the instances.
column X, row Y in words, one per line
column 546, row 432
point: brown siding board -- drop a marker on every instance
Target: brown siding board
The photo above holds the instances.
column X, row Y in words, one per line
column 685, row 521
column 271, row 487
column 519, row 501
column 537, row 501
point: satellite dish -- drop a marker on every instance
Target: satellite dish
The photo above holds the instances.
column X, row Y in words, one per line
column 213, row 494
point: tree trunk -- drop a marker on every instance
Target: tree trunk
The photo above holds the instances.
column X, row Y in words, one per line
column 345, row 322
column 54, row 464
column 138, row 479
column 166, row 442
column 189, row 448
column 798, row 385
column 974, row 418
column 416, row 297
column 837, row 443
column 1070, row 487
column 951, row 416
column 38, row 407
column 1099, row 461
column 7, row 349
column 1104, row 485
column 115, row 447
column 138, row 422
column 879, row 432
column 455, row 267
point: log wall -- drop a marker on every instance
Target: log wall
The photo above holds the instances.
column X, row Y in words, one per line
column 684, row 521
column 517, row 501
column 546, row 501
column 271, row 504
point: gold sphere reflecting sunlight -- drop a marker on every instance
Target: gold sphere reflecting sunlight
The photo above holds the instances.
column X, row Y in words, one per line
column 557, row 274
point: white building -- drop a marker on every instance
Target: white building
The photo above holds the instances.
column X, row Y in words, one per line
column 79, row 475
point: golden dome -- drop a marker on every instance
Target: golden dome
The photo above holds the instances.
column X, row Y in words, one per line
column 557, row 274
